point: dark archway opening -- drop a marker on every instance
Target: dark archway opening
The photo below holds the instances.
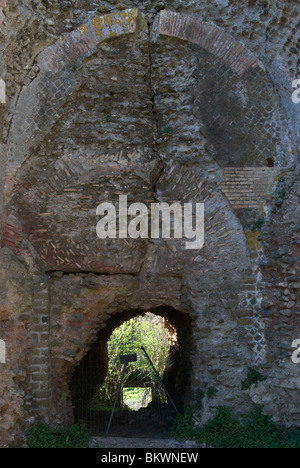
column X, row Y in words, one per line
column 155, row 418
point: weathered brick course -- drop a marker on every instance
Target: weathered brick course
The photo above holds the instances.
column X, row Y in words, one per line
column 248, row 188
column 83, row 40
column 211, row 38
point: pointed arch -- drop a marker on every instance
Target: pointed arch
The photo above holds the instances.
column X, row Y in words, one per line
column 60, row 76
column 83, row 40
column 209, row 36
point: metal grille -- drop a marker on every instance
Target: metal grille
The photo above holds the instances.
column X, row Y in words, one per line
column 153, row 421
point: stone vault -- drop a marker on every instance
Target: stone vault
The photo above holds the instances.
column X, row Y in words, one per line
column 167, row 108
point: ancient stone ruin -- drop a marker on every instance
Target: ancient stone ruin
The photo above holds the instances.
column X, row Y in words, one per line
column 164, row 102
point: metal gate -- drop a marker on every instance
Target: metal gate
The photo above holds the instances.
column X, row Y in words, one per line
column 152, row 421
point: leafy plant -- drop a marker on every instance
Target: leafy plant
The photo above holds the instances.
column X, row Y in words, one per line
column 211, row 392
column 41, row 435
column 183, row 427
column 225, row 430
column 282, row 194
column 166, row 131
column 258, row 224
column 253, row 377
column 260, row 430
column 198, row 400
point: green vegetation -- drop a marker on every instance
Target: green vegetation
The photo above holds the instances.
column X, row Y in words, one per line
column 198, row 400
column 258, row 224
column 184, row 427
column 147, row 331
column 166, row 131
column 253, row 377
column 135, row 398
column 40, row 435
column 198, row 397
column 225, row 430
column 282, row 194
column 211, row 392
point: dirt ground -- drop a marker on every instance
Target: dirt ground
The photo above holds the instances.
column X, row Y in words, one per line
column 122, row 442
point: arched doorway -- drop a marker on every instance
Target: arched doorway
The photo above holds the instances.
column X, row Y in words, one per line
column 61, row 180
column 157, row 413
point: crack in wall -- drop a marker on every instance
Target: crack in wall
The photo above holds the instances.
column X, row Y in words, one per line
column 150, row 24
column 153, row 99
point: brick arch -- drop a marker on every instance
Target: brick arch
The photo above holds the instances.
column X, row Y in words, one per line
column 59, row 77
column 234, row 98
column 83, row 40
column 90, row 372
column 59, row 74
column 209, row 36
